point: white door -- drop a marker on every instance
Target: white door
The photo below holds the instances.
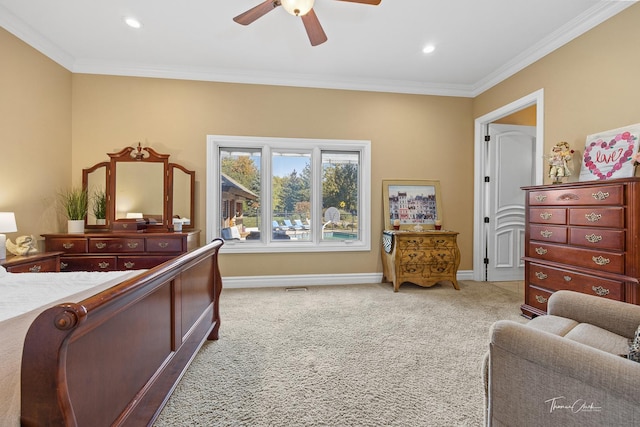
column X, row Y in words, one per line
column 510, row 165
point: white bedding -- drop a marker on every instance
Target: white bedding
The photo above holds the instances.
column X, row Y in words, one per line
column 22, row 297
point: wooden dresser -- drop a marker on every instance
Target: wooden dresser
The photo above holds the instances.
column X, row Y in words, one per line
column 423, row 258
column 105, row 251
column 47, row 262
column 582, row 237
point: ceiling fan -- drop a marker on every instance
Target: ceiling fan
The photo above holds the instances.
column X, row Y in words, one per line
column 301, row 8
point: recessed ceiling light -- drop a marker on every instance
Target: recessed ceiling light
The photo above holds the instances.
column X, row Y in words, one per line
column 133, row 22
column 428, row 48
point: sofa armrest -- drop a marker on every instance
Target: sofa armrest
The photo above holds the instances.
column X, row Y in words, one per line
column 618, row 317
column 566, row 358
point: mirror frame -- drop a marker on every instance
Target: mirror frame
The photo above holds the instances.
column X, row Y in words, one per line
column 141, row 154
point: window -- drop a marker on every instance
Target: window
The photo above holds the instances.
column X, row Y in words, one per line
column 288, row 195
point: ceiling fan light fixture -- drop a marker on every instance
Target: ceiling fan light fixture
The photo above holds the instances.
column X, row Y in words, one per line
column 297, row 7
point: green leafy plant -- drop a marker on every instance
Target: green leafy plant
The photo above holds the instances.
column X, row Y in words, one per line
column 99, row 204
column 75, row 203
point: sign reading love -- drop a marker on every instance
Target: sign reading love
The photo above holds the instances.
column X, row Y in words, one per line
column 607, row 157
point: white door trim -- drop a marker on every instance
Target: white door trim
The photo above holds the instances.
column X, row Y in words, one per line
column 480, row 198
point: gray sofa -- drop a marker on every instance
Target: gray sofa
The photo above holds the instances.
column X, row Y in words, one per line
column 565, row 368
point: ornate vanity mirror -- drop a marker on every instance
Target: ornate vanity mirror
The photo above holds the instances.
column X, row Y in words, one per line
column 140, row 183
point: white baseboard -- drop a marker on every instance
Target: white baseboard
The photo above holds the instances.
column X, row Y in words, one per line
column 241, row 282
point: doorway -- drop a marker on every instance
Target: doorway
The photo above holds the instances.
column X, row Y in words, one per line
column 485, row 195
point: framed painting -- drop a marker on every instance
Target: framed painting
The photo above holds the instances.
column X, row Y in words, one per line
column 408, row 204
column 610, row 154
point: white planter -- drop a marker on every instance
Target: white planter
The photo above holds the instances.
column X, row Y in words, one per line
column 75, row 226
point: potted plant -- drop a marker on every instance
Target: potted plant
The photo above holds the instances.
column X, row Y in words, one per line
column 99, row 206
column 75, row 203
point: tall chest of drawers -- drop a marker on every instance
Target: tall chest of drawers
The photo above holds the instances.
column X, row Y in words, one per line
column 582, row 237
column 118, row 251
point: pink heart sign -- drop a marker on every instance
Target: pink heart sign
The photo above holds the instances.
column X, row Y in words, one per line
column 604, row 159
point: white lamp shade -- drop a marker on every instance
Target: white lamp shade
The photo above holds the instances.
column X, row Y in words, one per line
column 297, row 7
column 7, row 222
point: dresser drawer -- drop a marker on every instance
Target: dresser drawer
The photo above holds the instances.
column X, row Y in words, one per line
column 548, row 233
column 597, row 238
column 597, row 217
column 88, row 263
column 537, row 297
column 42, row 266
column 120, row 245
column 164, row 244
column 548, row 215
column 141, row 262
column 67, row 245
column 612, row 262
column 555, row 279
column 602, row 195
column 426, row 242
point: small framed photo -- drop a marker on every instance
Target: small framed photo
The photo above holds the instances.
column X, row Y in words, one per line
column 408, row 204
column 610, row 154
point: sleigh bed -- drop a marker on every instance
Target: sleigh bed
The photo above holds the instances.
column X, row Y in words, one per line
column 114, row 357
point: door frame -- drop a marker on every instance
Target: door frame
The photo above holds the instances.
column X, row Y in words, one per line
column 480, row 154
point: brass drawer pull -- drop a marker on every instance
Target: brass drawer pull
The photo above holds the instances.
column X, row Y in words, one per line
column 592, row 238
column 67, row 245
column 63, row 265
column 540, row 275
column 163, row 244
column 567, row 278
column 600, row 290
column 129, row 264
column 541, row 251
column 103, row 264
column 101, row 245
column 546, row 215
column 600, row 260
column 541, row 197
column 546, row 233
column 35, row 269
column 593, row 217
column 132, row 245
column 541, row 299
column 600, row 195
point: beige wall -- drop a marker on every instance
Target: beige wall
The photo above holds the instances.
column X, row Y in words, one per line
column 591, row 84
column 412, row 137
column 35, row 136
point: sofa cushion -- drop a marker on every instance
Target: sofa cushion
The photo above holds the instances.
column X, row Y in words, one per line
column 553, row 324
column 599, row 338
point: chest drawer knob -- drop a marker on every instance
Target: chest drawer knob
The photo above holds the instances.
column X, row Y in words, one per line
column 541, row 251
column 67, row 245
column 540, row 275
column 599, row 290
column 63, row 265
column 541, row 299
column 546, row 215
column 163, row 244
column 546, row 233
column 541, row 197
column 101, row 245
column 132, row 245
column 600, row 195
column 593, row 217
column 592, row 238
column 103, row 264
column 600, row 260
column 129, row 264
column 567, row 278
column 35, row 269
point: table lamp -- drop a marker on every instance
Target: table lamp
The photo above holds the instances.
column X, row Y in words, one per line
column 7, row 225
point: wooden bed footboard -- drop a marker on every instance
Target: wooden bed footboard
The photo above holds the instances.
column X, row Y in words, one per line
column 114, row 358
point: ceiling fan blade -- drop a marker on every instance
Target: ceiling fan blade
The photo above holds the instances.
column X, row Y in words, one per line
column 371, row 2
column 254, row 13
column 314, row 29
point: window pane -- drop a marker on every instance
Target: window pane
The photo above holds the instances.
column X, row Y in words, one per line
column 291, row 195
column 340, row 194
column 240, row 194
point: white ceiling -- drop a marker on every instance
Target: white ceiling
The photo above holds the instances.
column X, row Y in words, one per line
column 379, row 48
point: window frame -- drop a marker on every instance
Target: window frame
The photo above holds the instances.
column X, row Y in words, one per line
column 266, row 145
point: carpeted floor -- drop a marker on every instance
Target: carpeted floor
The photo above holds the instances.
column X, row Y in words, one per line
column 358, row 355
